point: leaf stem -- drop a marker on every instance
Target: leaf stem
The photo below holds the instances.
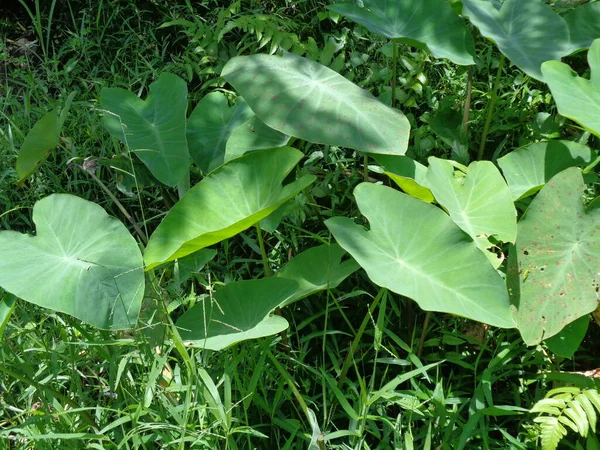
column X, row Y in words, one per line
column 490, row 108
column 424, row 333
column 467, row 108
column 263, row 252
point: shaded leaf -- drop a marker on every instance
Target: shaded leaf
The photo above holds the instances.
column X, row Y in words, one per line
column 408, row 174
column 567, row 341
column 584, row 26
column 252, row 135
column 304, row 99
column 553, row 268
column 155, row 128
column 82, row 262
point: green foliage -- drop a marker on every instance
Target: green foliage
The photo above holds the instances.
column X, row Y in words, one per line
column 563, row 409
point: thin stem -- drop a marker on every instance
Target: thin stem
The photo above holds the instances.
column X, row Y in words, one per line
column 394, row 71
column 424, row 333
column 467, row 108
column 490, row 108
column 137, row 229
column 263, row 252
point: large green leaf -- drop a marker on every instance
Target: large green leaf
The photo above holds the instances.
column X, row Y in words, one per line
column 577, row 98
column 41, row 140
column 154, row 129
column 529, row 168
column 408, row 174
column 209, row 127
column 414, row 249
column 230, row 199
column 432, row 22
column 238, row 312
column 528, row 32
column 304, row 99
column 553, row 268
column 479, row 201
column 568, row 340
column 584, row 26
column 317, row 269
column 252, row 135
column 81, row 262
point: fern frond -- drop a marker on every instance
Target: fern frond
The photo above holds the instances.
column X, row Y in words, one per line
column 552, row 433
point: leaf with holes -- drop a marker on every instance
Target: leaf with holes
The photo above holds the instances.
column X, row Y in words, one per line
column 528, row 32
column 209, row 127
column 479, row 201
column 153, row 129
column 553, row 267
column 414, row 249
column 304, row 99
column 230, row 199
column 82, row 262
column 432, row 22
column 238, row 312
column 316, row 269
column 529, row 168
column 577, row 98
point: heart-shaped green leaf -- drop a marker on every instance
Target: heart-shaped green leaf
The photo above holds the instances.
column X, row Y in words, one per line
column 529, row 168
column 408, row 174
column 154, row 129
column 479, row 201
column 528, row 32
column 584, row 26
column 209, row 127
column 577, row 98
column 304, row 99
column 317, row 269
column 238, row 312
column 432, row 22
column 414, row 249
column 553, row 268
column 230, row 199
column 252, row 135
column 82, row 262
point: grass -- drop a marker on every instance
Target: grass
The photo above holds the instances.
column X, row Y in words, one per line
column 351, row 375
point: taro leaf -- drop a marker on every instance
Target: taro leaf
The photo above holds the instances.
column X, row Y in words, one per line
column 304, row 99
column 210, row 125
column 566, row 343
column 317, row 269
column 81, row 262
column 155, row 128
column 577, row 98
column 584, row 26
column 528, row 32
column 230, row 199
column 528, row 168
column 414, row 249
column 238, row 312
column 252, row 135
column 553, row 268
column 432, row 22
column 408, row 174
column 41, row 140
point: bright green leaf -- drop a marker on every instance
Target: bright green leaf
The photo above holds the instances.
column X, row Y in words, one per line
column 304, row 99
column 553, row 268
column 577, row 98
column 408, row 174
column 529, row 168
column 238, row 312
column 414, row 249
column 432, row 22
column 155, row 128
column 230, row 199
column 81, row 262
column 209, row 127
column 316, row 269
column 528, row 32
column 479, row 202
column 584, row 26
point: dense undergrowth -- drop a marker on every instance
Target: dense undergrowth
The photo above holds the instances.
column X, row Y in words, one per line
column 413, row 380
